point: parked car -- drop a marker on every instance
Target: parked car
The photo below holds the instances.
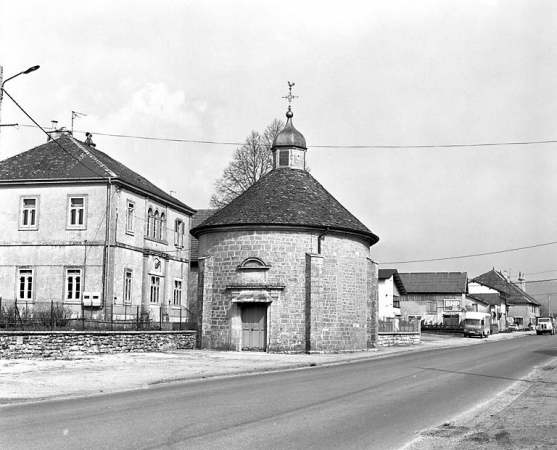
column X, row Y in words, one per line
column 513, row 327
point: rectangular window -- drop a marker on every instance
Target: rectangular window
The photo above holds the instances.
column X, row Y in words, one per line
column 179, row 229
column 25, row 284
column 396, row 301
column 130, row 217
column 432, row 307
column 73, row 285
column 284, row 156
column 76, row 212
column 155, row 289
column 127, row 286
column 177, row 300
column 29, row 212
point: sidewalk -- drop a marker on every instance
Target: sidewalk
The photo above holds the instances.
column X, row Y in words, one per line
column 35, row 379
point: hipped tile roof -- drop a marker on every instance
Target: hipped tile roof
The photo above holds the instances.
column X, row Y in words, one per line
column 68, row 159
column 287, row 197
column 435, row 282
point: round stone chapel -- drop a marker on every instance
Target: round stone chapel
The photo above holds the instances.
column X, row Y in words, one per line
column 285, row 267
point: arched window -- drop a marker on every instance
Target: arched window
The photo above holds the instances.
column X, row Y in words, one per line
column 162, row 227
column 149, row 222
column 156, row 226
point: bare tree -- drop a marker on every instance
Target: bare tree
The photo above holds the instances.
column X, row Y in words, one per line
column 249, row 163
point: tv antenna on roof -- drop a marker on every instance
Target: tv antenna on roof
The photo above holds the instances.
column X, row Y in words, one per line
column 76, row 115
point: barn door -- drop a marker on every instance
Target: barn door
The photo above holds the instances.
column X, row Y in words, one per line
column 254, row 327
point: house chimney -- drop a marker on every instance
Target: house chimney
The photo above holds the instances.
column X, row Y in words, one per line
column 57, row 133
column 89, row 140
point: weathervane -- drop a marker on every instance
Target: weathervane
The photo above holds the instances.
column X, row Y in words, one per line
column 290, row 97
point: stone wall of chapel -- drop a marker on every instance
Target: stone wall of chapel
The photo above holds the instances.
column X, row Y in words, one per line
column 345, row 282
column 285, row 253
column 344, row 302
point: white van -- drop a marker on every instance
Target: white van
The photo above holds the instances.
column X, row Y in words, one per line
column 477, row 324
column 545, row 325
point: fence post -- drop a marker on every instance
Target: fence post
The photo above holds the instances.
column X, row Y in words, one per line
column 137, row 319
column 112, row 317
column 51, row 315
column 160, row 317
column 180, row 317
column 17, row 314
column 1, row 311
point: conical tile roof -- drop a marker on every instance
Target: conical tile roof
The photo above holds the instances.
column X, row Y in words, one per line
column 286, row 197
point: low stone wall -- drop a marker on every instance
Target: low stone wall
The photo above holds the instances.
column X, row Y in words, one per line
column 68, row 344
column 398, row 339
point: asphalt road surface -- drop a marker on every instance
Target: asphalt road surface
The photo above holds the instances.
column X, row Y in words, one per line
column 372, row 404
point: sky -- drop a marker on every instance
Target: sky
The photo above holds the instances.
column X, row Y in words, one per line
column 385, row 89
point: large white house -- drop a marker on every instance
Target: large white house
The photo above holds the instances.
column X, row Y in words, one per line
column 83, row 230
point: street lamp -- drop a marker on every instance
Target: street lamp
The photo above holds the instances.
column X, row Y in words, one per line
column 25, row 72
column 3, row 91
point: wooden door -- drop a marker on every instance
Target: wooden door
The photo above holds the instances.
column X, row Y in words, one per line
column 254, row 327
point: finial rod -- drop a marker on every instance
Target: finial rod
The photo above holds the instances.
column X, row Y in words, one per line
column 290, row 97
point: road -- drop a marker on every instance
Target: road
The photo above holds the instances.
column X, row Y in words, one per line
column 375, row 404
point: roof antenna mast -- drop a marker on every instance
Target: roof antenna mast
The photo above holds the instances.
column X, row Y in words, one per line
column 76, row 115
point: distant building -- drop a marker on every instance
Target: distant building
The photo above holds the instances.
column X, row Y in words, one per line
column 434, row 297
column 285, row 267
column 514, row 300
column 79, row 228
column 390, row 290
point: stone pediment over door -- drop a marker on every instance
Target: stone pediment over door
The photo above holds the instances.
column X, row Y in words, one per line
column 255, row 294
column 252, row 296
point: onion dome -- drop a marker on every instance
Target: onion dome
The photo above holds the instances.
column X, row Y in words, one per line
column 290, row 136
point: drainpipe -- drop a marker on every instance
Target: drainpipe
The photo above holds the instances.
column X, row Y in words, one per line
column 107, row 246
column 320, row 238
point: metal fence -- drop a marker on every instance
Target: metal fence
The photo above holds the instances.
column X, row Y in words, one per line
column 54, row 316
column 399, row 325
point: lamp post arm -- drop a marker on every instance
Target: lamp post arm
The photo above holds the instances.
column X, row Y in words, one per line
column 24, row 112
column 31, row 69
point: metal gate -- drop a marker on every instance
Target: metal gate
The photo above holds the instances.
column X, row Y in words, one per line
column 254, row 327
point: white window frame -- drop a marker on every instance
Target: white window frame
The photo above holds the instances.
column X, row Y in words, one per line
column 26, row 283
column 73, row 285
column 80, row 224
column 177, row 292
column 154, row 289
column 24, row 213
column 128, row 284
column 130, row 219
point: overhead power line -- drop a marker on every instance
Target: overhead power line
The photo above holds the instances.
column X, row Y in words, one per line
column 193, row 141
column 470, row 256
